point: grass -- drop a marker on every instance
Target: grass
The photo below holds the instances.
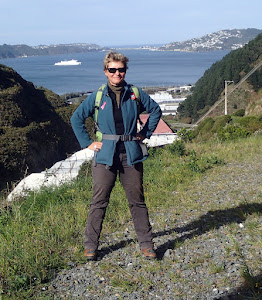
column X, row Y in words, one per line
column 250, row 280
column 216, row 269
column 41, row 233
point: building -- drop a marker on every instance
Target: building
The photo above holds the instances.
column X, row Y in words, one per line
column 163, row 134
column 167, row 103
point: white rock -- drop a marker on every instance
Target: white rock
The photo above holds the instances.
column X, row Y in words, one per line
column 61, row 172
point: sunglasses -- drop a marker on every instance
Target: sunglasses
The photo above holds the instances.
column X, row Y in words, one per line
column 113, row 70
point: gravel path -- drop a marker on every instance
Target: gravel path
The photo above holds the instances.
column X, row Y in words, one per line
column 203, row 253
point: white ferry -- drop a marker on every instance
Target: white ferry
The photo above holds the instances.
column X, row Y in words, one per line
column 72, row 62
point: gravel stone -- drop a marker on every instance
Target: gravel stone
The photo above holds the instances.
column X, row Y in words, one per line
column 197, row 259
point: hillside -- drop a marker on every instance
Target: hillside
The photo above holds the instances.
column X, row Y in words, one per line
column 11, row 51
column 34, row 127
column 233, row 67
column 220, row 40
column 205, row 208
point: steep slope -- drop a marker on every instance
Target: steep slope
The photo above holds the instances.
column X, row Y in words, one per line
column 233, row 67
column 255, row 104
column 34, row 127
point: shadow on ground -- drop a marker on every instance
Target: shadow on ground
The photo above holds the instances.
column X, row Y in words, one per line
column 252, row 289
column 211, row 220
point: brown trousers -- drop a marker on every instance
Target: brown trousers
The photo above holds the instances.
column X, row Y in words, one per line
column 131, row 179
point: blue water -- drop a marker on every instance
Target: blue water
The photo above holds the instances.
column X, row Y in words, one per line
column 146, row 68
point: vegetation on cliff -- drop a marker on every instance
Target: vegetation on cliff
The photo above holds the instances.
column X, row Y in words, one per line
column 34, row 127
column 233, row 67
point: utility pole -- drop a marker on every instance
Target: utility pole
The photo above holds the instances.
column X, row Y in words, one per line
column 237, row 85
column 226, row 82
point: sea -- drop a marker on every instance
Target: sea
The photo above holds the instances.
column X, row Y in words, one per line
column 146, row 69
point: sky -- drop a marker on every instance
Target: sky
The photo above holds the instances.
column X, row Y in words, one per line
column 121, row 22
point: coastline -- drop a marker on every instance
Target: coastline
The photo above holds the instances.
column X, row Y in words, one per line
column 178, row 68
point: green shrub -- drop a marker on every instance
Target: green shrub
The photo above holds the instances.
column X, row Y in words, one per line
column 221, row 122
column 85, row 170
column 201, row 164
column 186, row 135
column 204, row 127
column 232, row 132
column 250, row 123
column 228, row 127
column 177, row 147
column 155, row 151
column 239, row 113
column 192, row 161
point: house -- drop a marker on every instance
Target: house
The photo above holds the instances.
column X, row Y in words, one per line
column 161, row 128
column 162, row 135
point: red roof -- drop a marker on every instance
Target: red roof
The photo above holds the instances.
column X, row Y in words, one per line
column 162, row 127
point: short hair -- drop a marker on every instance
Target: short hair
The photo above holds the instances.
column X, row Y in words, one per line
column 115, row 56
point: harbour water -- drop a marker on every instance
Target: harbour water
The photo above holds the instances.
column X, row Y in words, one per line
column 146, row 68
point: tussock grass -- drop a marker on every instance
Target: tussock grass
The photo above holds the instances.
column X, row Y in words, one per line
column 41, row 233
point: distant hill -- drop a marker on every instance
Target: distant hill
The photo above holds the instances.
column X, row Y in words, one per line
column 11, row 51
column 233, row 67
column 220, row 40
column 34, row 127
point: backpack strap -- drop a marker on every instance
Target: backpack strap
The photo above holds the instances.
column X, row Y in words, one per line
column 99, row 95
column 138, row 102
column 136, row 92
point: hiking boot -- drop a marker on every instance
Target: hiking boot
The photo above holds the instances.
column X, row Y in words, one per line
column 148, row 253
column 90, row 254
